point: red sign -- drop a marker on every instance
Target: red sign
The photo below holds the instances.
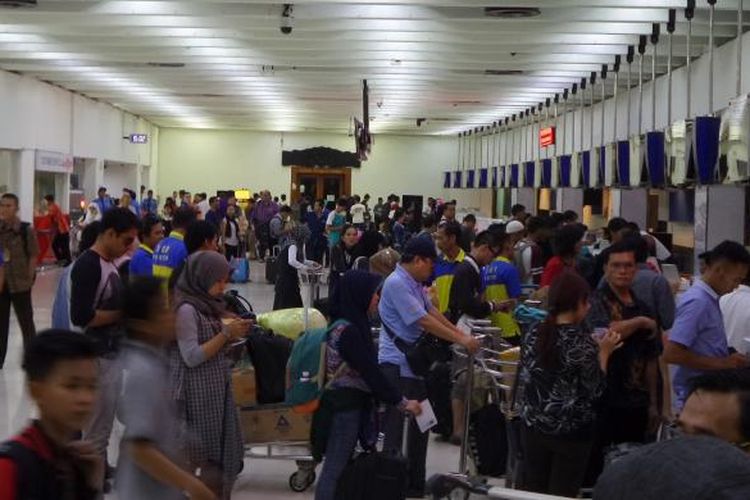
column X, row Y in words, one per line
column 547, row 137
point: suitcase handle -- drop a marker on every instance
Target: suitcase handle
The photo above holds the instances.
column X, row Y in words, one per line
column 405, row 436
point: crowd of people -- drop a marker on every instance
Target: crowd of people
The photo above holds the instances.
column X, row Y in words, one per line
column 144, row 296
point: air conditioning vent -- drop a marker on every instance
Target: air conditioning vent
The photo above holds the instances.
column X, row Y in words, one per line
column 503, row 72
column 512, row 12
column 163, row 64
column 17, row 3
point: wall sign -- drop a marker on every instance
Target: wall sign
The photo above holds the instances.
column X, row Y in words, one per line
column 49, row 161
column 138, row 138
column 547, row 137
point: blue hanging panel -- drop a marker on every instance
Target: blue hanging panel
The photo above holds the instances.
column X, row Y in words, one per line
column 446, row 180
column 528, row 178
column 457, row 177
column 565, row 171
column 586, row 168
column 602, row 165
column 547, row 172
column 495, row 176
column 483, row 174
column 514, row 175
column 656, row 159
column 623, row 163
column 470, row 179
column 706, row 147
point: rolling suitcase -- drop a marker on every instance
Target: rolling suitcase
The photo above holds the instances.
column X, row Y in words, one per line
column 377, row 475
column 488, row 440
column 272, row 265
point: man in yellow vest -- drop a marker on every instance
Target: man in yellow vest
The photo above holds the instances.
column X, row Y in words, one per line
column 448, row 238
column 502, row 284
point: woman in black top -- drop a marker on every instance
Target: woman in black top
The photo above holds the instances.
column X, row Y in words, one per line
column 563, row 369
column 343, row 256
column 291, row 259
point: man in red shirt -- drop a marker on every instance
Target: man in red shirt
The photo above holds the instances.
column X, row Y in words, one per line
column 61, row 241
column 44, row 462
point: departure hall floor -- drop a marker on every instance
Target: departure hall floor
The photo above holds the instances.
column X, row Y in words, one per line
column 261, row 479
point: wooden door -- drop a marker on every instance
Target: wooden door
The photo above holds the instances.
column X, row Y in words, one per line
column 321, row 183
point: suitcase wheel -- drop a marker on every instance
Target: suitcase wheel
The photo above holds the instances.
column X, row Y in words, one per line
column 301, row 480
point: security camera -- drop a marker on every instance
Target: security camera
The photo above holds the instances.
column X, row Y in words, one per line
column 286, row 19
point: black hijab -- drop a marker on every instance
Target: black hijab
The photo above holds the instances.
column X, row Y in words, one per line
column 351, row 298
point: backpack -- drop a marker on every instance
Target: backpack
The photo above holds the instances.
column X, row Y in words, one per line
column 306, row 368
column 61, row 303
column 30, row 470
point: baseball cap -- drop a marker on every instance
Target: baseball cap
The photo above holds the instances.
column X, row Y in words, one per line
column 695, row 467
column 514, row 227
column 420, row 247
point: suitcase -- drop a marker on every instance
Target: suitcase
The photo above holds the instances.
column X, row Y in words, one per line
column 376, row 475
column 488, row 440
column 272, row 265
column 269, row 354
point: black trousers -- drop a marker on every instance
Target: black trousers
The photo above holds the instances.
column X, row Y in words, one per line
column 263, row 235
column 61, row 248
column 231, row 251
column 554, row 465
column 411, row 388
column 24, row 313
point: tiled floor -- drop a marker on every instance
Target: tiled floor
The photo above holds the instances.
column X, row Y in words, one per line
column 261, row 479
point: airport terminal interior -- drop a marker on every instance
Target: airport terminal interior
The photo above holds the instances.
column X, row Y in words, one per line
column 500, row 167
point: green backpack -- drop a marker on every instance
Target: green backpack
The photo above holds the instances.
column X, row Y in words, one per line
column 306, row 367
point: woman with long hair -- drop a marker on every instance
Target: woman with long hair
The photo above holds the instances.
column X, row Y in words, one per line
column 343, row 255
column 567, row 244
column 230, row 233
column 355, row 380
column 201, row 374
column 563, row 370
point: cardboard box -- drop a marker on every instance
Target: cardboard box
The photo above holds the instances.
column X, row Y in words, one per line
column 243, row 387
column 269, row 423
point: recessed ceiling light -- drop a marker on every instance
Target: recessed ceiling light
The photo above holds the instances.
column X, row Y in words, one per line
column 512, row 12
column 395, row 62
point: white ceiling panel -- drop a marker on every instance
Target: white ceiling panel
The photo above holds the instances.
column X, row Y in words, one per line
column 225, row 63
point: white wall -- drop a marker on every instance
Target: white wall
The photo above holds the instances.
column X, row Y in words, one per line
column 36, row 115
column 207, row 160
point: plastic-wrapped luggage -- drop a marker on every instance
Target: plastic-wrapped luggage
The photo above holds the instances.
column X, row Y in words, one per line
column 291, row 322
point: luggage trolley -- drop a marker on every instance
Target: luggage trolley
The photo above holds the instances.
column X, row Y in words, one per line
column 296, row 448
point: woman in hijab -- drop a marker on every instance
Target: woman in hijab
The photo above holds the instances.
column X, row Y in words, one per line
column 92, row 214
column 292, row 258
column 201, row 374
column 354, row 378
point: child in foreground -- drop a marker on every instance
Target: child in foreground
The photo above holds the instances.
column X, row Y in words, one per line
column 46, row 461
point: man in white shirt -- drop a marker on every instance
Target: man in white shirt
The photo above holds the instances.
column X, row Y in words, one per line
column 203, row 206
column 357, row 211
column 735, row 309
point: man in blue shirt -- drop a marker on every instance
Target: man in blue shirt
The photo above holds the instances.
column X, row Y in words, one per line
column 149, row 206
column 698, row 342
column 407, row 312
column 103, row 201
column 150, row 234
column 171, row 252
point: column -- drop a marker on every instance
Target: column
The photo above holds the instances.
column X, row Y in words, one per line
column 23, row 173
column 717, row 216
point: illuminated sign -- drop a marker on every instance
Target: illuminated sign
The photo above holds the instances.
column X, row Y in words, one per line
column 138, row 138
column 547, row 137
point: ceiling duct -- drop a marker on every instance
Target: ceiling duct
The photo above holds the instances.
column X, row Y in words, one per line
column 17, row 3
column 512, row 12
column 163, row 64
column 503, row 72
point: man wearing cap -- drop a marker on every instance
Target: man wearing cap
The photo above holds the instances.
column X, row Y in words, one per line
column 407, row 313
column 698, row 342
column 103, row 201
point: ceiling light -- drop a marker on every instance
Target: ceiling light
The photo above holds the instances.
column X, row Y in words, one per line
column 512, row 12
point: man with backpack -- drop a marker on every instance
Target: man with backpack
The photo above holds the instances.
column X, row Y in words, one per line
column 20, row 249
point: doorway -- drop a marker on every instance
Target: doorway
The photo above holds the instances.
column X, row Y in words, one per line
column 328, row 184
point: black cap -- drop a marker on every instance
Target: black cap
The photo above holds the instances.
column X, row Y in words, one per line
column 420, row 247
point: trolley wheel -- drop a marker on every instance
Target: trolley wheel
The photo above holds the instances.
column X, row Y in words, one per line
column 301, row 480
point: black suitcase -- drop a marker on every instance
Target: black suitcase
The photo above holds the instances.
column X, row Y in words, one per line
column 376, row 475
column 269, row 354
column 272, row 266
column 439, row 384
column 488, row 440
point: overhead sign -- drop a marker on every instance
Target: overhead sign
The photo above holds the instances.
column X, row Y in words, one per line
column 138, row 138
column 49, row 161
column 547, row 137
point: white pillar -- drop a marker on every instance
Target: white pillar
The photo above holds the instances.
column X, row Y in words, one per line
column 25, row 161
column 716, row 220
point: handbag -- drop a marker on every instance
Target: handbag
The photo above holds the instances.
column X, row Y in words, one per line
column 423, row 354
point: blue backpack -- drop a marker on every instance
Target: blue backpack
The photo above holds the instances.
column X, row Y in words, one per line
column 306, row 367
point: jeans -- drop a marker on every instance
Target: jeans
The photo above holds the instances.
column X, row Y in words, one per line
column 341, row 443
column 103, row 419
column 411, row 388
column 552, row 464
column 24, row 313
